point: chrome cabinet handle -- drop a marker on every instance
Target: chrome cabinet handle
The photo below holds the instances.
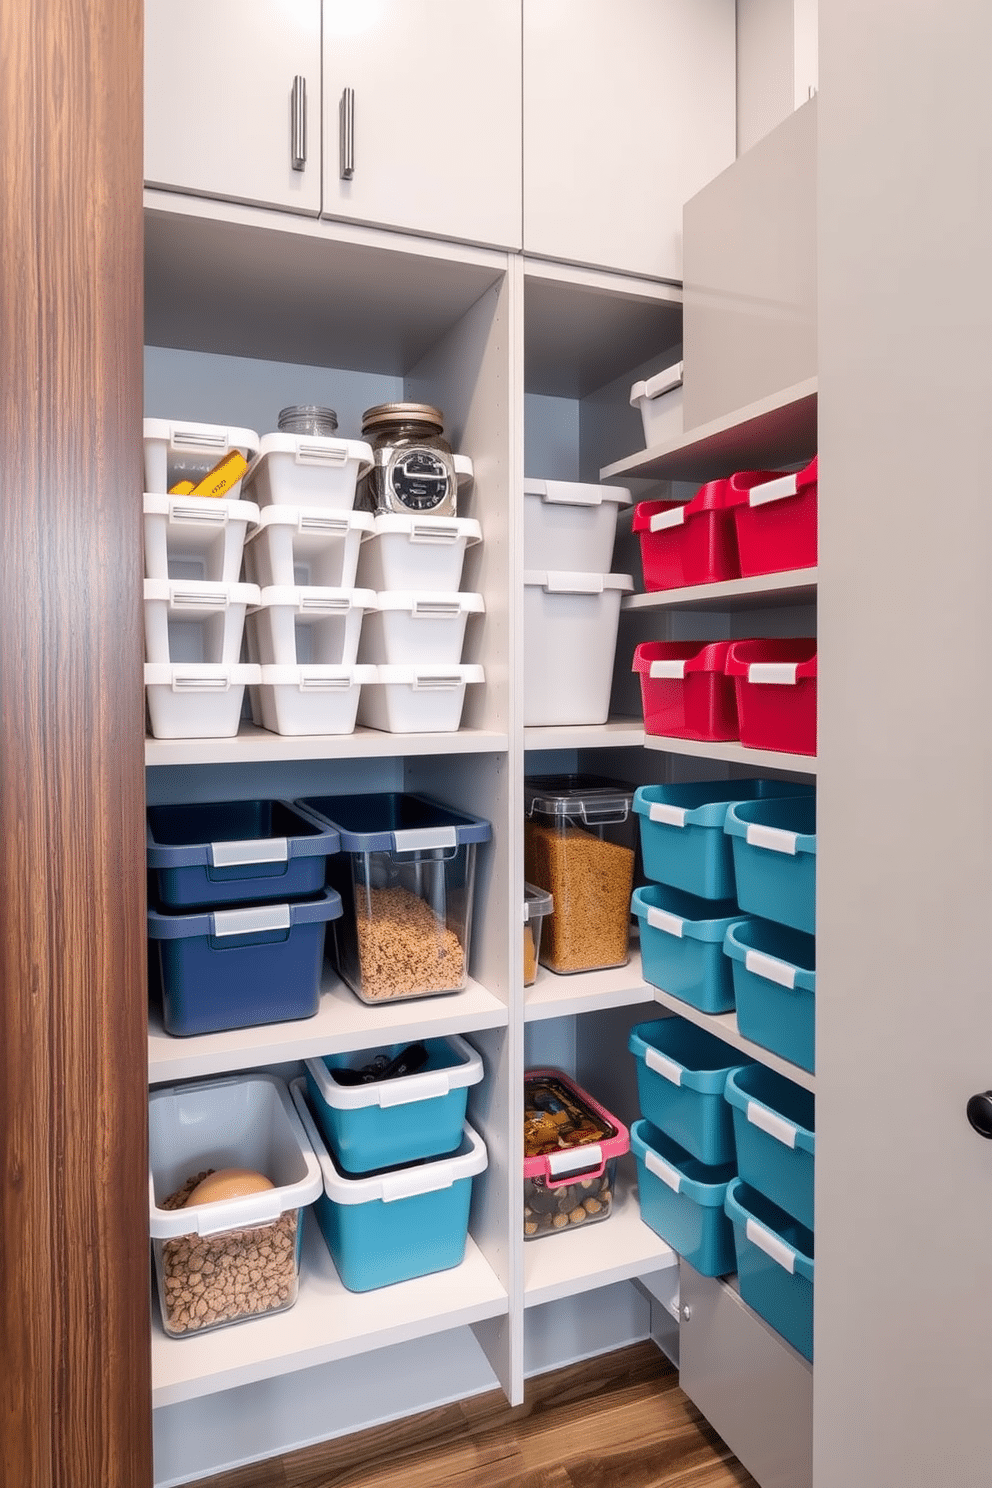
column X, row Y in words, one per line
column 298, row 129
column 347, row 133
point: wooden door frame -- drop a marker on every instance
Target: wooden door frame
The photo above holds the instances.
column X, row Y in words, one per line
column 74, row 1287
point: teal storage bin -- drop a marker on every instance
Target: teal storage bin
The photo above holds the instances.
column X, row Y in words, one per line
column 775, row 1132
column 682, row 945
column 682, row 1200
column 774, row 1264
column 392, row 1226
column 681, row 1076
column 683, row 843
column 774, row 846
column 405, row 1119
column 775, row 988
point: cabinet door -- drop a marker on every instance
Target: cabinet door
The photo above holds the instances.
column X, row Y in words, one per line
column 629, row 109
column 220, row 95
column 434, row 94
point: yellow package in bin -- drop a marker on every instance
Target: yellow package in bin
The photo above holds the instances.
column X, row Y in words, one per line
column 182, row 488
column 225, row 474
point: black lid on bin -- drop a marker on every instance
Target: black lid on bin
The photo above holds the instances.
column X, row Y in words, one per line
column 583, row 797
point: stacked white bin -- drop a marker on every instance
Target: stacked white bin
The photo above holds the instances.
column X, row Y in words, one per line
column 571, row 601
column 195, row 605
column 303, row 554
column 415, row 634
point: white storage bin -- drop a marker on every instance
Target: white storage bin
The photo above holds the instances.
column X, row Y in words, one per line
column 186, row 701
column 177, row 451
column 196, row 537
column 660, row 402
column 304, row 470
column 412, row 628
column 187, row 620
column 245, row 1121
column 416, row 552
column 307, row 627
column 571, row 525
column 306, row 545
column 417, row 699
column 570, row 637
column 309, row 699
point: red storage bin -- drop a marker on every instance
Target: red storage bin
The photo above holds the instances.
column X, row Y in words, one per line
column 776, row 520
column 695, row 543
column 684, row 689
column 776, row 693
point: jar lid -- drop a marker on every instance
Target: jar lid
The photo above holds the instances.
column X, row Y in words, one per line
column 388, row 415
column 308, row 418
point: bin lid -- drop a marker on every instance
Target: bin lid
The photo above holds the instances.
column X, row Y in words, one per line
column 589, row 798
column 537, row 902
column 656, row 386
column 392, row 821
column 576, row 493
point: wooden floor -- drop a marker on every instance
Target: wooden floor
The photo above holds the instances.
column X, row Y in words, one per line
column 619, row 1421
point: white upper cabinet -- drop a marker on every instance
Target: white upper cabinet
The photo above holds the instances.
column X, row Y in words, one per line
column 422, row 116
column 629, row 109
column 232, row 100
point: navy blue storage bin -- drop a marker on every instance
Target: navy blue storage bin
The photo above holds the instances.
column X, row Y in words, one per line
column 682, row 1200
column 775, row 988
column 681, row 1076
column 234, row 851
column 774, row 1264
column 683, row 843
column 775, row 1131
column 234, row 968
column 774, row 845
column 682, row 945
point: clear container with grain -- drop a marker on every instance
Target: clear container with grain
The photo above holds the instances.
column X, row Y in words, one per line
column 579, row 844
column 222, row 1262
column 406, row 876
column 537, row 906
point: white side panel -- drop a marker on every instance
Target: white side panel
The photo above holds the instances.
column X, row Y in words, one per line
column 218, row 92
column 629, row 109
column 560, row 1333
column 436, row 116
column 765, row 75
column 905, row 742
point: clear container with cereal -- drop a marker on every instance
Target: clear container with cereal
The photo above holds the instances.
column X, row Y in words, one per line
column 571, row 1146
column 580, row 836
column 406, row 876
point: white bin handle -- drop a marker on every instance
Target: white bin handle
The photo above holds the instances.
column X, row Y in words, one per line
column 255, row 850
column 214, row 515
column 325, row 684
column 774, row 490
column 251, row 921
column 660, row 919
column 671, row 671
column 434, row 609
column 315, row 454
column 772, row 838
column 775, row 673
column 407, row 1182
column 770, row 969
column 200, row 684
column 331, row 526
column 424, row 839
column 309, row 604
column 190, row 599
column 421, row 534
column 575, row 1160
column 661, row 521
column 663, row 1170
column 783, row 1255
column 251, row 1213
column 421, row 1087
column 768, row 1121
column 662, row 1065
column 192, row 439
column 573, row 583
column 672, row 816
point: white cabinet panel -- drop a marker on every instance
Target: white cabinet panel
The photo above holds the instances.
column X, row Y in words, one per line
column 436, row 116
column 629, row 109
column 219, row 94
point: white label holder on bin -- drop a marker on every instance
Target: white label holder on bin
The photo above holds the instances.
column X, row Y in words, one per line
column 772, row 838
column 770, row 969
column 662, row 1065
column 783, row 1255
column 774, row 673
column 671, row 816
column 249, row 850
column 663, row 1170
column 772, row 1124
column 661, row 919
column 251, row 921
column 776, row 490
column 577, row 1160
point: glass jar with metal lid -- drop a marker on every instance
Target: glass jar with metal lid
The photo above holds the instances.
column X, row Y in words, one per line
column 413, row 470
column 308, row 418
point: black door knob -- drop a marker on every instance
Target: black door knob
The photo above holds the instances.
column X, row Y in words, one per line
column 979, row 1110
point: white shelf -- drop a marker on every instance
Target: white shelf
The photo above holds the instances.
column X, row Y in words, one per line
column 342, row 1023
column 327, row 1322
column 618, row 733
column 724, row 1026
column 595, row 1255
column 777, row 430
column 763, row 591
column 733, row 754
column 252, row 745
column 553, row 996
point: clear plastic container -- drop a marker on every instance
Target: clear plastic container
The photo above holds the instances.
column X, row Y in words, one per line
column 406, row 876
column 579, row 844
column 571, row 1146
column 537, row 906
